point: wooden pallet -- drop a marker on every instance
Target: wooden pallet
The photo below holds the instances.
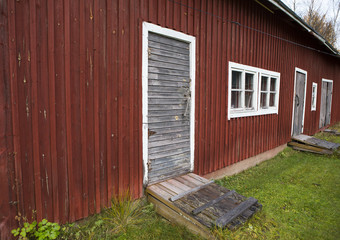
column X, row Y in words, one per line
column 311, row 144
column 307, row 148
column 312, row 141
column 331, row 131
column 200, row 204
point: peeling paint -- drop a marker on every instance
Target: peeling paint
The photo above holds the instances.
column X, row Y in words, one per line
column 19, row 59
column 27, row 107
column 91, row 15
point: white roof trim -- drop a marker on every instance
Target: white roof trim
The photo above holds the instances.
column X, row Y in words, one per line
column 278, row 3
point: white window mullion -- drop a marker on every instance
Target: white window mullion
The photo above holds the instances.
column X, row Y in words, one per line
column 243, row 90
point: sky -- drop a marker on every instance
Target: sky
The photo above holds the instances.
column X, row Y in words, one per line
column 325, row 6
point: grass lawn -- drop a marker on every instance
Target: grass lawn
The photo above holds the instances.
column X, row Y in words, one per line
column 300, row 194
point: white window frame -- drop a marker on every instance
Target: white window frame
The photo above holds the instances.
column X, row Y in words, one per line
column 243, row 112
column 313, row 103
column 149, row 27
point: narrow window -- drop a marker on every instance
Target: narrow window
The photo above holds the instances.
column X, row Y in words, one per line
column 314, row 95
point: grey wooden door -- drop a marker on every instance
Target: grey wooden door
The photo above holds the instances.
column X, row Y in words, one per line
column 299, row 103
column 326, row 103
column 169, row 100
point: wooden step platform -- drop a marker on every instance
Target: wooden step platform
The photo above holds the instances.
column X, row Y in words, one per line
column 332, row 131
column 311, row 144
column 200, row 204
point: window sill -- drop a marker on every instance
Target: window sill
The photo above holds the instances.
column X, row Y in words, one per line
column 237, row 114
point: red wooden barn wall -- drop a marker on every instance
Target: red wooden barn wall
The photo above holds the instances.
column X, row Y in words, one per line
column 71, row 106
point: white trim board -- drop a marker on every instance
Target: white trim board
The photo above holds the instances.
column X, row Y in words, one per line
column 149, row 27
column 304, row 102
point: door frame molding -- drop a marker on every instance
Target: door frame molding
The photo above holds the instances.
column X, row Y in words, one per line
column 330, row 81
column 304, row 101
column 149, row 27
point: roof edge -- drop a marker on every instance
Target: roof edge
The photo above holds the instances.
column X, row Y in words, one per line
column 284, row 8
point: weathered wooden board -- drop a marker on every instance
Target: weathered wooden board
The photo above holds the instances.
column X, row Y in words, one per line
column 212, row 202
column 204, row 202
column 174, row 198
column 316, row 142
column 309, row 148
column 332, row 131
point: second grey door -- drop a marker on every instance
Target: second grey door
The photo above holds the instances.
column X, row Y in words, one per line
column 299, row 103
column 169, row 101
column 326, row 103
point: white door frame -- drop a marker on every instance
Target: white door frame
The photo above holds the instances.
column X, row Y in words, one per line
column 149, row 27
column 304, row 101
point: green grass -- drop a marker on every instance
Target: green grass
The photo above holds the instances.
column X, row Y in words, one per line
column 126, row 220
column 300, row 194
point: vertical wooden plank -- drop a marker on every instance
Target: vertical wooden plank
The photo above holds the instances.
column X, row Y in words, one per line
column 176, row 16
column 132, row 117
column 52, row 107
column 14, row 104
column 139, row 102
column 102, row 68
column 43, row 108
column 8, row 210
column 125, row 90
column 184, row 16
column 121, row 47
column 109, row 134
column 25, row 105
column 96, row 105
column 115, row 112
column 68, row 116
column 89, row 103
column 214, row 95
column 83, row 123
column 60, row 105
column 75, row 99
column 138, row 161
column 224, row 89
column 208, row 47
column 202, row 110
column 197, row 34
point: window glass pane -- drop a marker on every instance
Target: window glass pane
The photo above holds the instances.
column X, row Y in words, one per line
column 272, row 100
column 249, row 99
column 236, row 80
column 263, row 102
column 235, row 99
column 264, row 83
column 272, row 84
column 249, row 81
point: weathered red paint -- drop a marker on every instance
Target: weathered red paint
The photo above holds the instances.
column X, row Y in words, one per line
column 71, row 103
